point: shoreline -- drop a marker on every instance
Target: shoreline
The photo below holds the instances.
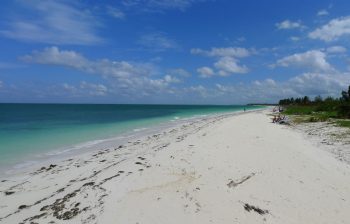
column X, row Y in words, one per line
column 58, row 155
column 222, row 169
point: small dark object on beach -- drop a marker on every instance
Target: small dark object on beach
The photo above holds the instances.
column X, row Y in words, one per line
column 22, row 206
column 141, row 158
column 102, row 161
column 88, row 184
column 119, row 147
column 60, row 190
column 138, row 163
column 120, row 171
column 49, row 168
column 260, row 211
column 70, row 214
column 9, row 192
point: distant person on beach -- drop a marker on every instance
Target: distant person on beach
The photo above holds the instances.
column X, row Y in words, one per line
column 274, row 119
column 244, row 109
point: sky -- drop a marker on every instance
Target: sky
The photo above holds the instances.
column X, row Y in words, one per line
column 172, row 51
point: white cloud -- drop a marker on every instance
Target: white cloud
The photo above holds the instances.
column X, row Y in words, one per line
column 205, row 72
column 84, row 88
column 54, row 56
column 226, row 62
column 170, row 79
column 115, row 12
column 179, row 72
column 229, row 65
column 313, row 59
column 199, row 89
column 323, row 12
column 336, row 49
column 94, row 89
column 319, row 84
column 53, row 22
column 271, row 91
column 293, row 38
column 136, row 79
column 238, row 52
column 287, row 25
column 333, row 30
column 104, row 67
column 160, row 5
column 69, row 88
column 158, row 41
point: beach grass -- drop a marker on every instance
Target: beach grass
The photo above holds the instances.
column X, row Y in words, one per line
column 309, row 113
column 343, row 123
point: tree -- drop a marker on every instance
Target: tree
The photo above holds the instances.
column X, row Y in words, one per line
column 346, row 95
column 318, row 99
column 306, row 100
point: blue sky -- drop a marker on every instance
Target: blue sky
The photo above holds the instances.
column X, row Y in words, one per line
column 172, row 51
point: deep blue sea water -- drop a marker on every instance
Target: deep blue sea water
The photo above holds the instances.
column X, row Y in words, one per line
column 31, row 129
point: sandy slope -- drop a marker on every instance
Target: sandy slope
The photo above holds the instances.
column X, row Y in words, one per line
column 228, row 169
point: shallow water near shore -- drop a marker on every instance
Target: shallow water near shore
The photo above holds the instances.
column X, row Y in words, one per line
column 32, row 132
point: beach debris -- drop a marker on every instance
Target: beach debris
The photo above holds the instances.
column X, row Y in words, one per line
column 119, row 147
column 22, row 206
column 89, row 184
column 256, row 209
column 233, row 183
column 7, row 193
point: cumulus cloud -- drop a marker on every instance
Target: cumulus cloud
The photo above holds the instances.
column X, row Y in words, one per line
column 158, row 41
column 333, row 30
column 179, row 72
column 313, row 59
column 271, row 91
column 94, row 89
column 125, row 77
column 323, row 12
column 229, row 65
column 82, row 89
column 53, row 22
column 205, row 72
column 104, row 67
column 238, row 52
column 336, row 49
column 54, row 56
column 226, row 61
column 287, row 25
column 294, row 38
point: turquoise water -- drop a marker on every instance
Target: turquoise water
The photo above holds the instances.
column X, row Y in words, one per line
column 31, row 129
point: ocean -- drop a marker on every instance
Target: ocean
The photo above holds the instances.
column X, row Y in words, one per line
column 30, row 132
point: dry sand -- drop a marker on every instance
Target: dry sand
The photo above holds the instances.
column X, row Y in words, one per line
column 227, row 169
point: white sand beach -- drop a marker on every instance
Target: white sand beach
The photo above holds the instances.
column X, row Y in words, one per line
column 224, row 169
